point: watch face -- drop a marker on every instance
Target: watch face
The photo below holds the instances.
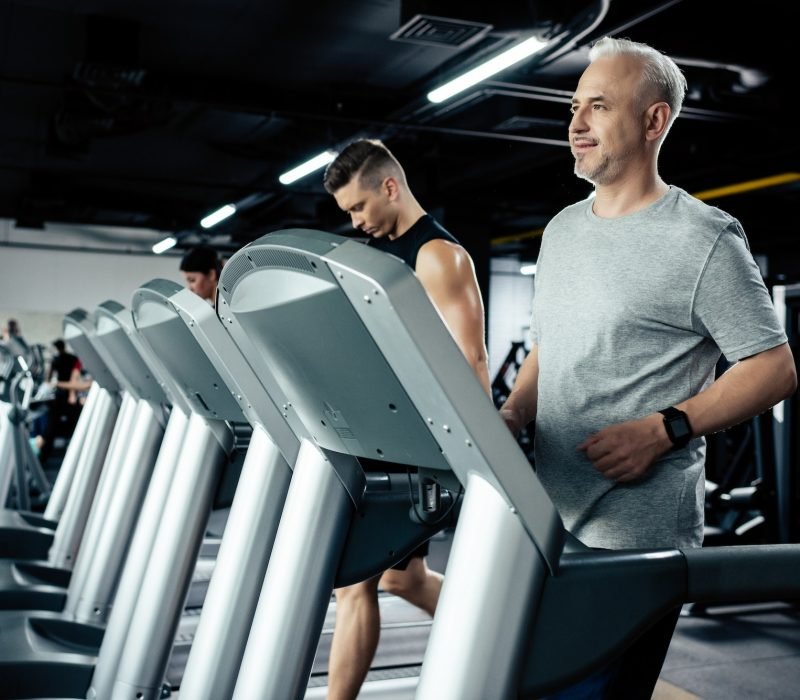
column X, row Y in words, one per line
column 680, row 428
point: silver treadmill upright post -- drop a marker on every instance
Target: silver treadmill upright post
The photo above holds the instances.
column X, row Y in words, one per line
column 71, row 525
column 96, row 521
column 135, row 569
column 66, row 472
column 250, row 531
column 90, row 599
column 169, row 568
column 299, row 581
column 494, row 573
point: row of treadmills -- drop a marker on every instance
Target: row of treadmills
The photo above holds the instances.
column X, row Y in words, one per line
column 321, row 352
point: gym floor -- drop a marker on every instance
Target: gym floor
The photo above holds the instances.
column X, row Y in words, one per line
column 741, row 652
column 731, row 653
column 734, row 653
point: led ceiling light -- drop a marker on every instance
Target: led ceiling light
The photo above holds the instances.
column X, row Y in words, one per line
column 310, row 166
column 485, row 70
column 164, row 245
column 220, row 215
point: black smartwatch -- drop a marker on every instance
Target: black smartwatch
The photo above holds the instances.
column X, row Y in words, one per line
column 677, row 425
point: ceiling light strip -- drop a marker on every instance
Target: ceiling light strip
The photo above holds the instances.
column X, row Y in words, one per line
column 220, row 214
column 485, row 70
column 310, row 166
column 164, row 245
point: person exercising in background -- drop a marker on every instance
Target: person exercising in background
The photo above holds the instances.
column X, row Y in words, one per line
column 64, row 409
column 12, row 335
column 369, row 184
column 201, row 267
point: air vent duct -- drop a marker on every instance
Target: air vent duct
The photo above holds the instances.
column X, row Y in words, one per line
column 521, row 16
column 441, row 31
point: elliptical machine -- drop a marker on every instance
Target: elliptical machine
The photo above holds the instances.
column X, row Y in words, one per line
column 23, row 483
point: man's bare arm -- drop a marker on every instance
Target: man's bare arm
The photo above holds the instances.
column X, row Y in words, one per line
column 626, row 451
column 448, row 276
column 520, row 406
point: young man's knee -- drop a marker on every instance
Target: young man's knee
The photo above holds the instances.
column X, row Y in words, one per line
column 404, row 582
column 365, row 590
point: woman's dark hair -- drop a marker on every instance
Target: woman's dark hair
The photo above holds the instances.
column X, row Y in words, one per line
column 201, row 258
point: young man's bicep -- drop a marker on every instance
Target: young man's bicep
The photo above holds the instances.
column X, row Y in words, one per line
column 447, row 275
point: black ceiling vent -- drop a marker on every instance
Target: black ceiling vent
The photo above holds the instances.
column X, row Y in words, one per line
column 441, row 31
column 111, row 55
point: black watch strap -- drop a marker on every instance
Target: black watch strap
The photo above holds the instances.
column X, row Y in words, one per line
column 677, row 425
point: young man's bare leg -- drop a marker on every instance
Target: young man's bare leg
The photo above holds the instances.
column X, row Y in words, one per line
column 355, row 638
column 357, row 629
column 417, row 584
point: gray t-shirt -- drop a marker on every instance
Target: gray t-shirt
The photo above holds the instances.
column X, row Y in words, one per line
column 630, row 315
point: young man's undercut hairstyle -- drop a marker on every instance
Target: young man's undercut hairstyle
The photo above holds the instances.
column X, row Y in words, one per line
column 367, row 159
column 201, row 258
column 661, row 76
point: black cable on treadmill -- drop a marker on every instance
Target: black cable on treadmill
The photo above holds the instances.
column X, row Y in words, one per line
column 414, row 506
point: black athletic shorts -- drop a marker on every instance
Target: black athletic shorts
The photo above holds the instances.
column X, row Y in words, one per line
column 421, row 552
column 376, row 465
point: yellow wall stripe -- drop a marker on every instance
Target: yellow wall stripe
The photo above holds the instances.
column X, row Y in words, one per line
column 725, row 191
column 748, row 186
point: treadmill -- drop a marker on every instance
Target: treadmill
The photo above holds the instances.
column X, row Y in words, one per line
column 52, row 624
column 147, row 625
column 224, row 623
column 79, row 331
column 369, row 369
column 62, row 657
column 52, row 538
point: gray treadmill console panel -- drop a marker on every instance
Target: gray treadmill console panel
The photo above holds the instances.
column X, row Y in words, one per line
column 136, row 374
column 305, row 330
column 79, row 332
column 255, row 401
column 159, row 324
column 356, row 344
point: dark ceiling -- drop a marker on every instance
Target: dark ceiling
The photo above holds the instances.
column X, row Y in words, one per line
column 145, row 113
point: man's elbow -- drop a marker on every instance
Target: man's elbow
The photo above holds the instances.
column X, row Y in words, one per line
column 787, row 373
column 791, row 383
column 478, row 360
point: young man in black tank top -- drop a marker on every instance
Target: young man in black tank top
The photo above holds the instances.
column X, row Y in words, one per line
column 369, row 184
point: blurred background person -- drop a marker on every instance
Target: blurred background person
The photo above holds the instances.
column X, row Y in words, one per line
column 201, row 267
column 64, row 409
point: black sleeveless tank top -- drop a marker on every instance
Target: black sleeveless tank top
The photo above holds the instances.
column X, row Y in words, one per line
column 406, row 247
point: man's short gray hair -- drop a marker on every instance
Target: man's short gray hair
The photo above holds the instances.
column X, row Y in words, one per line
column 660, row 74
